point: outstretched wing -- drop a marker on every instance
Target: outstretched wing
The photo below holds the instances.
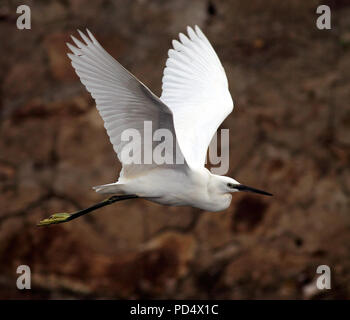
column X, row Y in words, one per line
column 122, row 100
column 195, row 88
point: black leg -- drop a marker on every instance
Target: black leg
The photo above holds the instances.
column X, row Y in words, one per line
column 65, row 217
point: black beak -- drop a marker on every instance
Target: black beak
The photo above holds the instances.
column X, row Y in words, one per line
column 242, row 187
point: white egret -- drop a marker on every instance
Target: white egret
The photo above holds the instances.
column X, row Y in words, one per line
column 194, row 102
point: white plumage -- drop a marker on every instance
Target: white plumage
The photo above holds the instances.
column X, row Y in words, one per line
column 195, row 88
column 194, row 102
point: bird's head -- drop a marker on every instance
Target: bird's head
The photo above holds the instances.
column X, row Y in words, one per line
column 228, row 185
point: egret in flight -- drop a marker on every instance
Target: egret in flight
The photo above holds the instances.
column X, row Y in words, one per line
column 195, row 100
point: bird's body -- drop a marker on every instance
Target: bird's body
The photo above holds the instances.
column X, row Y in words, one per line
column 174, row 187
column 194, row 102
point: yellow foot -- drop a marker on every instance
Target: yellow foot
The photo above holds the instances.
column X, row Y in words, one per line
column 55, row 218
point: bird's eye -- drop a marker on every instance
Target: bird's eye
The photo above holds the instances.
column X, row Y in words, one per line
column 230, row 185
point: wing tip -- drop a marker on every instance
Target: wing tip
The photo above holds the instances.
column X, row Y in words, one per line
column 84, row 37
column 191, row 33
column 77, row 42
column 91, row 36
column 198, row 31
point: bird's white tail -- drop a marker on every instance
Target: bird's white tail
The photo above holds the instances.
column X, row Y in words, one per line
column 111, row 188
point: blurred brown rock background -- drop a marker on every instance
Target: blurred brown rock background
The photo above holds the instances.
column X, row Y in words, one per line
column 289, row 134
